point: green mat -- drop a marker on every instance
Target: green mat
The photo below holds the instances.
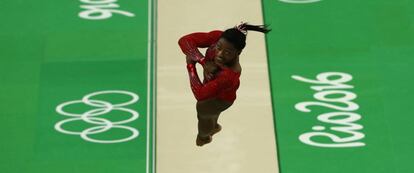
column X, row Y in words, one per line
column 341, row 80
column 77, row 86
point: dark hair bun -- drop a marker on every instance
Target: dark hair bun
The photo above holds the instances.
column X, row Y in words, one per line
column 237, row 35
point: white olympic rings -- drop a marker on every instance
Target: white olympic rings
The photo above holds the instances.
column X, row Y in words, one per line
column 91, row 116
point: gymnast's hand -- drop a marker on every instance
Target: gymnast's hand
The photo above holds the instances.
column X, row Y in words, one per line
column 210, row 69
column 189, row 60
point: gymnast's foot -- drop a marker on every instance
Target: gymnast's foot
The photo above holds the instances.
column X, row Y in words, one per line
column 216, row 130
column 200, row 141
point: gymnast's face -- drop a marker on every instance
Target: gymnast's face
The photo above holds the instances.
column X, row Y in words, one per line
column 226, row 53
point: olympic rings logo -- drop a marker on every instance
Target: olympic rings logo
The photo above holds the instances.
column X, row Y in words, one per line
column 91, row 116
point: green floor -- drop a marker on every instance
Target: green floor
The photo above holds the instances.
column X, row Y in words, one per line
column 341, row 79
column 56, row 52
column 358, row 125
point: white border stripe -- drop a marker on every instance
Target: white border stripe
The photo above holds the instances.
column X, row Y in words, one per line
column 155, row 55
column 148, row 83
column 154, row 49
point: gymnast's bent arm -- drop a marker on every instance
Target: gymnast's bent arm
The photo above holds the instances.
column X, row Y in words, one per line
column 210, row 89
column 190, row 43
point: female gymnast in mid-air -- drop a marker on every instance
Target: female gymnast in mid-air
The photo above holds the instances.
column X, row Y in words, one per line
column 222, row 71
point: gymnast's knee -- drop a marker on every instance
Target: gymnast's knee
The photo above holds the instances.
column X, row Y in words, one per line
column 205, row 108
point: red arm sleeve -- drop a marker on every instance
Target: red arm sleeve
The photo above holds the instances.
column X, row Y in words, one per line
column 190, row 43
column 208, row 90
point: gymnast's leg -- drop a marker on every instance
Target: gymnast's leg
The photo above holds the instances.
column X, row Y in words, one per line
column 208, row 112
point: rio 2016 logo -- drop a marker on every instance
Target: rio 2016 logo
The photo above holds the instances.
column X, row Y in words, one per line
column 343, row 117
column 94, row 117
column 101, row 9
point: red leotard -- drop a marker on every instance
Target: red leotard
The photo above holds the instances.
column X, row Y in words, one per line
column 226, row 82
